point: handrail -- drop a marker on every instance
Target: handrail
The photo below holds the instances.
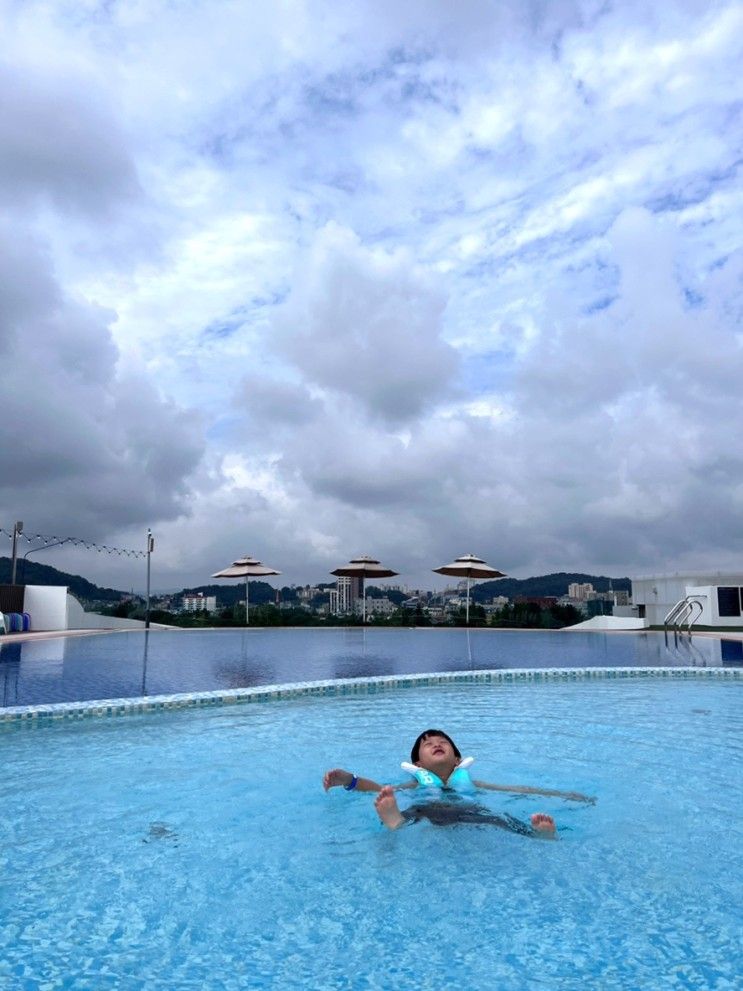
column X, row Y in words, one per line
column 692, row 621
column 671, row 614
column 680, row 613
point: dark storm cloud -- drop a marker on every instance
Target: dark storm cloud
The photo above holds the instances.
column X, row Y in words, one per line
column 61, row 141
column 86, row 448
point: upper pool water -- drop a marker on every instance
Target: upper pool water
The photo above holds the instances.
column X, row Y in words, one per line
column 66, row 669
column 197, row 850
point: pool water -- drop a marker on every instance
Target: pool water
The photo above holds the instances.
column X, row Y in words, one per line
column 198, row 849
column 67, row 669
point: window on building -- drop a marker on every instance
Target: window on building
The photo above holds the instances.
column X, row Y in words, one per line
column 728, row 600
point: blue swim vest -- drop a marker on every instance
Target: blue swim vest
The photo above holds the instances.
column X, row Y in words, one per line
column 459, row 779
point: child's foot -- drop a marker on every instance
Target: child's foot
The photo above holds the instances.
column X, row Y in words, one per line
column 544, row 824
column 386, row 805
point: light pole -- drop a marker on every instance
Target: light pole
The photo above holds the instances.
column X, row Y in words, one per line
column 17, row 530
column 57, row 543
column 150, row 549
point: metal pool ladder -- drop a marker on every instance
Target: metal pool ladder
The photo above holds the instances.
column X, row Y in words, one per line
column 682, row 613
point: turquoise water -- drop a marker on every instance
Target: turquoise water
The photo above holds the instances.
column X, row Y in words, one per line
column 69, row 669
column 198, row 850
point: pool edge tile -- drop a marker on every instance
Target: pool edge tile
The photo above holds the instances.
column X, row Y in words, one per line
column 36, row 715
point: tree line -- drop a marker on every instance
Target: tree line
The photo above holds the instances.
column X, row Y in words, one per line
column 528, row 615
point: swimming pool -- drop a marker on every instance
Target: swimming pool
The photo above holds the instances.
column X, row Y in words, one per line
column 198, row 850
column 123, row 665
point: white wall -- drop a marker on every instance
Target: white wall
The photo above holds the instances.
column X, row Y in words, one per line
column 78, row 619
column 609, row 623
column 47, row 606
column 52, row 607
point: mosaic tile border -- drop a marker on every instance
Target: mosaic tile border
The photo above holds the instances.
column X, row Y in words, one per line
column 43, row 714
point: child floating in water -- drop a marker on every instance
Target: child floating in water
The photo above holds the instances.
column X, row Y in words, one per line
column 437, row 763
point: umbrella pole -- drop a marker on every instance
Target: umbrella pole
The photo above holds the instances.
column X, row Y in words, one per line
column 468, row 601
column 247, row 603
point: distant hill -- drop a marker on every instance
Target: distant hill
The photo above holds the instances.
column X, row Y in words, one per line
column 546, row 585
column 33, row 573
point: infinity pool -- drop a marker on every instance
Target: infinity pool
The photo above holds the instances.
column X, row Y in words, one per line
column 66, row 669
column 197, row 850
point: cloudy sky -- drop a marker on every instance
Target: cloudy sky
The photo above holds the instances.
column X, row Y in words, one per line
column 313, row 279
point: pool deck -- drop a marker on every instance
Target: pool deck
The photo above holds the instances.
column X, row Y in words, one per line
column 53, row 634
column 49, row 634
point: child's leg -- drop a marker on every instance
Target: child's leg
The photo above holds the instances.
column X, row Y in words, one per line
column 542, row 825
column 387, row 808
column 441, row 814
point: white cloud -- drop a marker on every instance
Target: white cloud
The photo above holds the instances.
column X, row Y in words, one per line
column 367, row 325
column 429, row 278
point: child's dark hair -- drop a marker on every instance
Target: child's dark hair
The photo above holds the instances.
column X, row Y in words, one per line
column 415, row 752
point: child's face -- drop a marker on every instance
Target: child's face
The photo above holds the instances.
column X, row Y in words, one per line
column 435, row 751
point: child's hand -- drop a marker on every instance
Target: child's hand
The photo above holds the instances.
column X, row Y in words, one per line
column 336, row 778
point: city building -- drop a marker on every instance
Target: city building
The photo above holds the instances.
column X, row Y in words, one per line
column 543, row 601
column 579, row 591
column 377, row 607
column 199, row 603
column 307, row 592
column 344, row 596
column 454, row 603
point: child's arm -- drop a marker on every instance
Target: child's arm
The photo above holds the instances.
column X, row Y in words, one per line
column 338, row 777
column 574, row 796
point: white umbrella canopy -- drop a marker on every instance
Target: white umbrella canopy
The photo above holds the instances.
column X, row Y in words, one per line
column 246, row 567
column 364, row 567
column 472, row 568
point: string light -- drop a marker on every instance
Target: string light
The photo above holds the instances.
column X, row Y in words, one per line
column 89, row 545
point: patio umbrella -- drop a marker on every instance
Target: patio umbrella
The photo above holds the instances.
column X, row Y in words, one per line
column 363, row 567
column 472, row 568
column 246, row 567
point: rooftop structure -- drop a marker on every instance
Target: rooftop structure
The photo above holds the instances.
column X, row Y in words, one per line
column 720, row 597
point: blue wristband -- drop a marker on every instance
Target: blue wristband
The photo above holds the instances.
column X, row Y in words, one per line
column 352, row 783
